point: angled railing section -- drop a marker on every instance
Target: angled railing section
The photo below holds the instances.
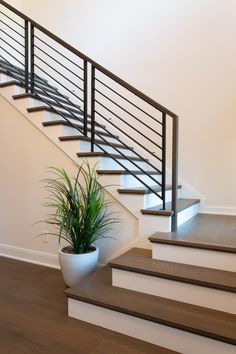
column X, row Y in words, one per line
column 82, row 91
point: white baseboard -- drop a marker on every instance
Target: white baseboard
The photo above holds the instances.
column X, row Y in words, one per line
column 31, row 256
column 218, row 210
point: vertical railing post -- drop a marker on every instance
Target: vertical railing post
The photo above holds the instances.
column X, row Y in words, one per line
column 175, row 142
column 26, row 56
column 85, row 98
column 32, row 57
column 163, row 160
column 92, row 107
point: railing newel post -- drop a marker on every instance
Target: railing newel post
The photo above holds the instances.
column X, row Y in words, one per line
column 175, row 142
column 85, row 98
column 26, row 56
column 92, row 107
column 32, row 57
column 163, row 182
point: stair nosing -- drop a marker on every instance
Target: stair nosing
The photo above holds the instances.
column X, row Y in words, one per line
column 123, row 172
column 106, row 155
column 143, row 191
column 193, row 244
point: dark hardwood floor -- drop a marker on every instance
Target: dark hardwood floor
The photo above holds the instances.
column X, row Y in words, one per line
column 33, row 317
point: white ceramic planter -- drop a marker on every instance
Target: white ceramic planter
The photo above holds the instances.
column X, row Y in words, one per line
column 74, row 267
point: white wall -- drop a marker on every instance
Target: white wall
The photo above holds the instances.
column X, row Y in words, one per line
column 182, row 53
column 18, row 4
column 25, row 153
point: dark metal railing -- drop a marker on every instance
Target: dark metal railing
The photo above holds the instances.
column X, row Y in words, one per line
column 87, row 95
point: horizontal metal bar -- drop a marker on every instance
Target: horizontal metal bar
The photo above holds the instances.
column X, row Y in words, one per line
column 71, row 61
column 15, row 77
column 11, row 19
column 58, row 83
column 12, row 29
column 126, row 99
column 77, row 76
column 10, row 55
column 7, row 34
column 123, row 109
column 64, row 77
column 114, row 125
column 12, row 47
column 126, row 133
column 107, row 142
column 98, row 67
column 132, row 126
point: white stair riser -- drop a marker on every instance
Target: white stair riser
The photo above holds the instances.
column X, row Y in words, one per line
column 9, row 91
column 155, row 333
column 194, row 256
column 136, row 202
column 175, row 290
column 148, row 224
column 187, row 214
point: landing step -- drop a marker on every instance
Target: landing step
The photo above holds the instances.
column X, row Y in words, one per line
column 97, row 290
column 142, row 190
column 182, row 204
column 68, row 124
column 103, row 154
column 140, row 261
column 97, row 141
column 124, row 172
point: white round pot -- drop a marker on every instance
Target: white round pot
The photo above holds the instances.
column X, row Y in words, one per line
column 75, row 267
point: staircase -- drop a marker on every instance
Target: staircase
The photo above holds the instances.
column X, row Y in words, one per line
column 180, row 295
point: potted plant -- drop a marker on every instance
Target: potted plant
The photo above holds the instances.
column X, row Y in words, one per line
column 80, row 216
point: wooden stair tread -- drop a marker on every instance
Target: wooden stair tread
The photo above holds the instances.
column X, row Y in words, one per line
column 21, row 84
column 57, row 106
column 170, row 238
column 96, row 289
column 97, row 141
column 62, row 99
column 143, row 190
column 124, row 172
column 204, row 231
column 64, row 122
column 140, row 261
column 21, row 75
column 103, row 154
column 182, row 204
column 65, row 114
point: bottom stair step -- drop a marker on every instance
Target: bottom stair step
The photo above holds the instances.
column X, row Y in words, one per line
column 172, row 324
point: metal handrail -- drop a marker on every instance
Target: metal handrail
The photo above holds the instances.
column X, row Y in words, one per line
column 95, row 67
column 91, row 61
